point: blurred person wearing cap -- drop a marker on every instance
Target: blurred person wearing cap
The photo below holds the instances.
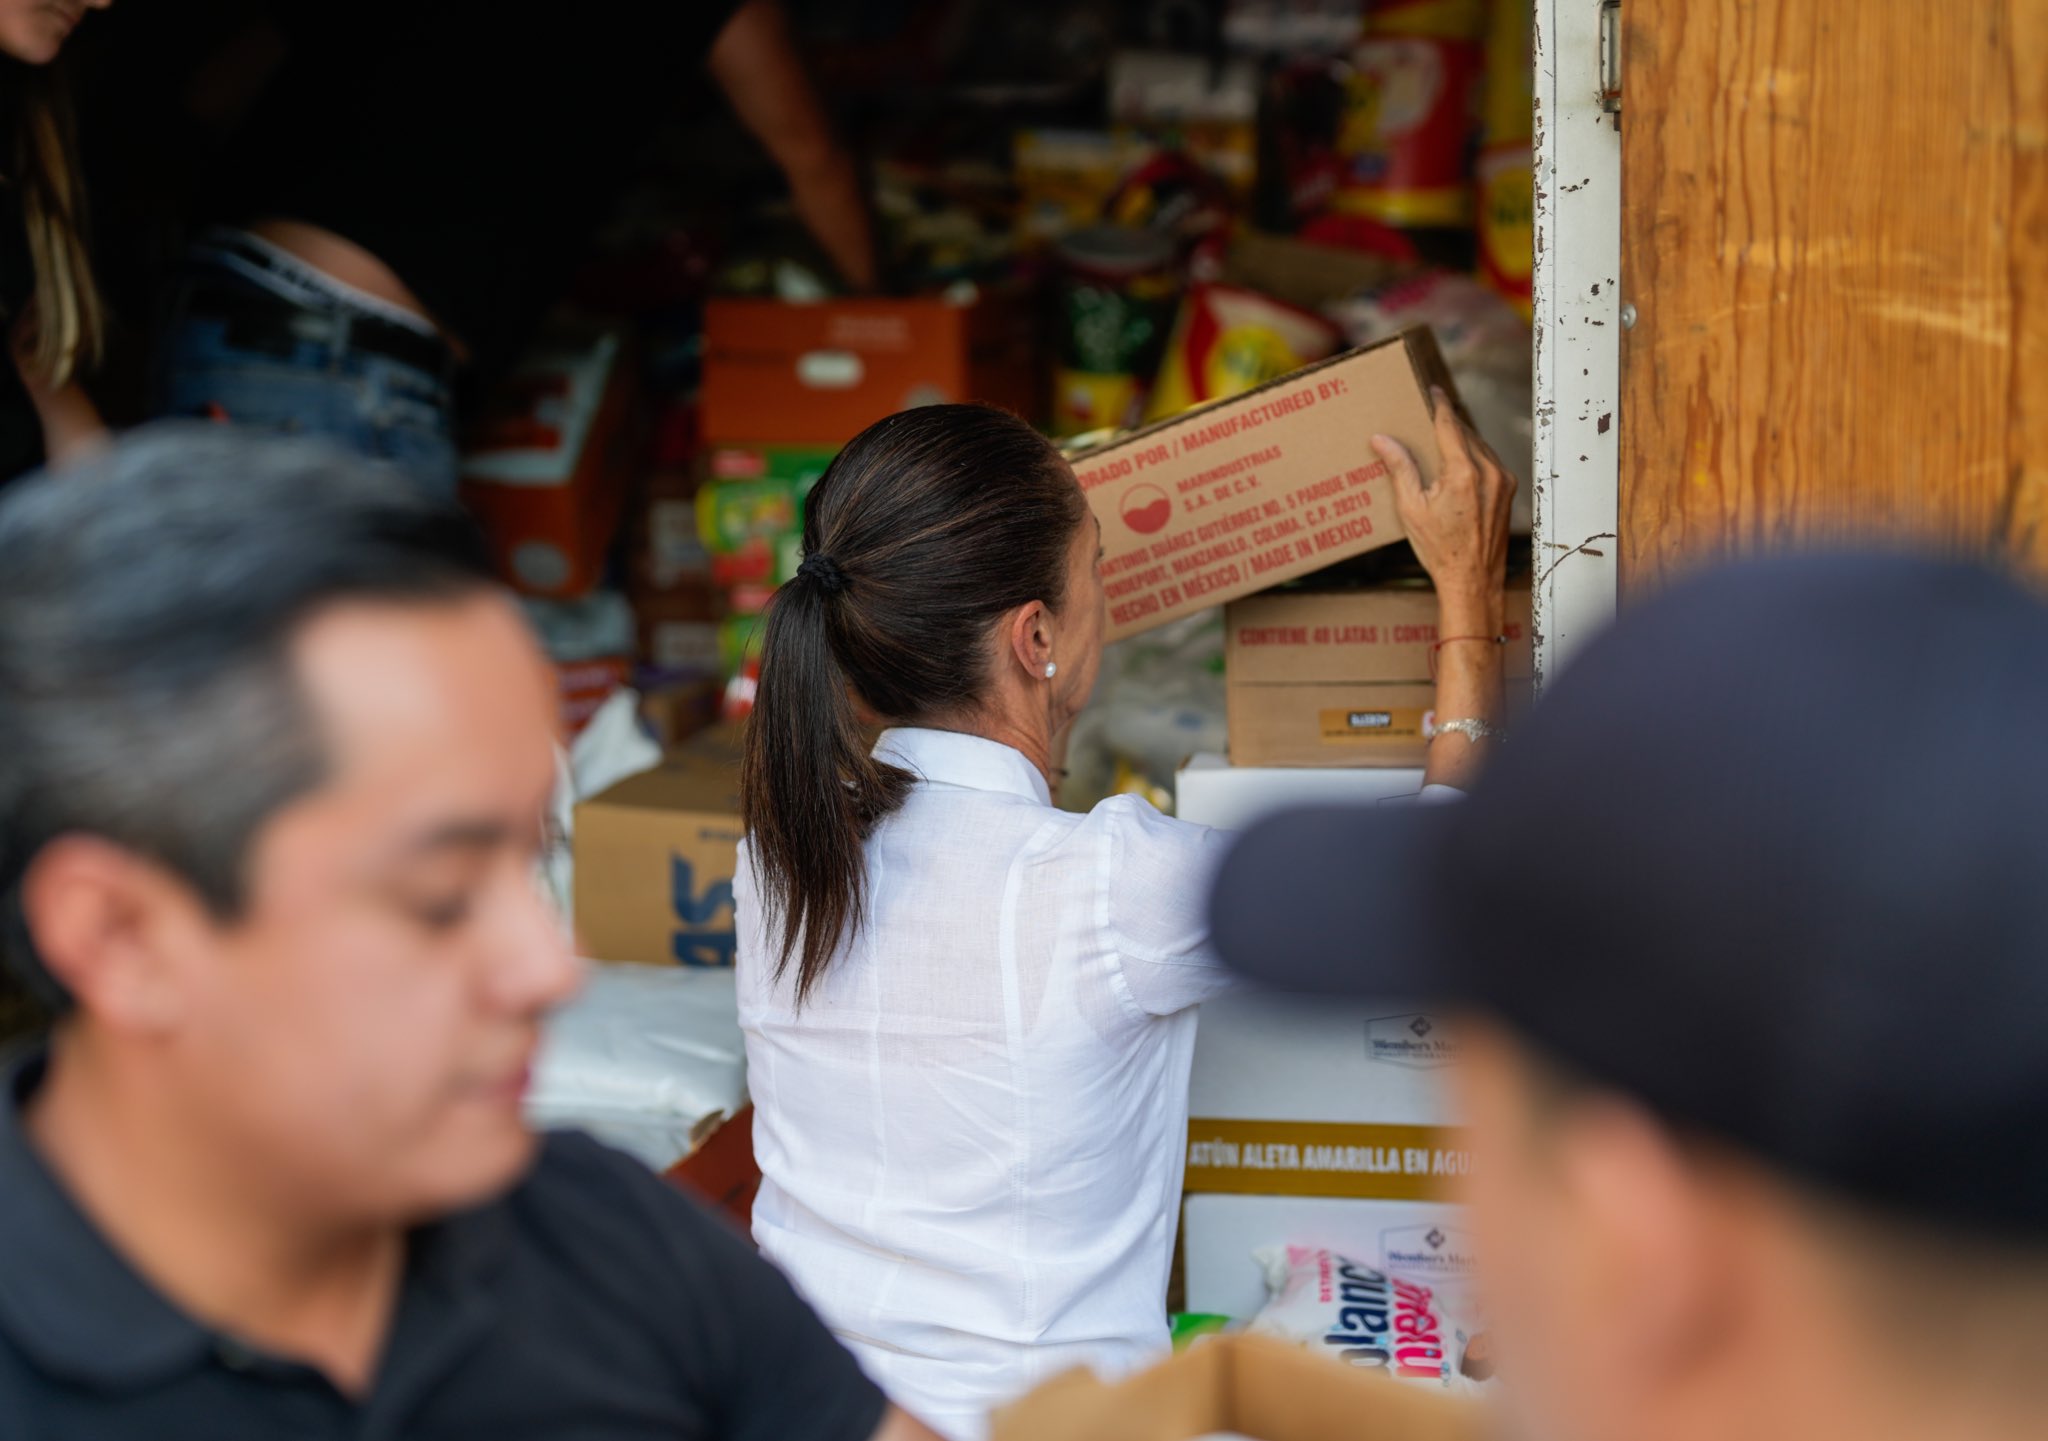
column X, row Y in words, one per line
column 1748, row 932
column 275, row 754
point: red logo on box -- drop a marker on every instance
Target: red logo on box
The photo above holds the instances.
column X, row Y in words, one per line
column 1145, row 509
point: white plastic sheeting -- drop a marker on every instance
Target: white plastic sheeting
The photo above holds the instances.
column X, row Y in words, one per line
column 647, row 1058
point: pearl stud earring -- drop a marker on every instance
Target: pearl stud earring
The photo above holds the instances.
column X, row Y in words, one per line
column 1051, row 669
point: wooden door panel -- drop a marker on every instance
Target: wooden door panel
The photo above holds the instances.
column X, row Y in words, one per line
column 1835, row 236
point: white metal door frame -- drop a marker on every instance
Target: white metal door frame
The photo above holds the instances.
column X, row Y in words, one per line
column 1576, row 466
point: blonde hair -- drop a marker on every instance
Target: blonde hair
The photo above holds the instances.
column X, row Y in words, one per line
column 70, row 323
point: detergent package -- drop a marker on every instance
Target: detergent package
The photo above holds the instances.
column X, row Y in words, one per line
column 1365, row 1317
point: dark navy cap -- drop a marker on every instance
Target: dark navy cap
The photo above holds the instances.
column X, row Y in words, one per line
column 1771, row 856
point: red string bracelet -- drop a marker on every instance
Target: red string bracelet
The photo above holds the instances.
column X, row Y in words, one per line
column 1453, row 640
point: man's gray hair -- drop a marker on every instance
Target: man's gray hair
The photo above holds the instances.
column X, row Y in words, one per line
column 148, row 600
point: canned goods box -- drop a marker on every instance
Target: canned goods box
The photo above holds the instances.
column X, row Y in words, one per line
column 1251, row 492
column 1328, row 677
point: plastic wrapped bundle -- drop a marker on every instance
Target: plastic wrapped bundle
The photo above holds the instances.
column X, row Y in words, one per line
column 647, row 1058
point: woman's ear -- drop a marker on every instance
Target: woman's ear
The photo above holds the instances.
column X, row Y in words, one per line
column 1031, row 639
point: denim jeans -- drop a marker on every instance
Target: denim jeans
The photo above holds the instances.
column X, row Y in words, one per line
column 378, row 406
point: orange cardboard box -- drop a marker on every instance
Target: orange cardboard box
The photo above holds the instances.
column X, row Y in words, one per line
column 1342, row 677
column 819, row 374
column 1248, row 493
column 546, row 469
column 1246, row 1386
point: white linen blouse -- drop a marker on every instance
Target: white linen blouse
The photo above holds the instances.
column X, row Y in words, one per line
column 972, row 1134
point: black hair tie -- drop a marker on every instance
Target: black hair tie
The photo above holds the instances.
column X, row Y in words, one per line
column 824, row 571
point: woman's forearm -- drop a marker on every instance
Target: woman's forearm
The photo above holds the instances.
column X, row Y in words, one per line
column 1470, row 685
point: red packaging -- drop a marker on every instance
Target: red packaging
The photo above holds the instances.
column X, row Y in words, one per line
column 1412, row 103
column 547, row 466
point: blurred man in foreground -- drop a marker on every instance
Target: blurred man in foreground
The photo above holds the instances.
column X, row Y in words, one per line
column 274, row 756
column 1750, row 929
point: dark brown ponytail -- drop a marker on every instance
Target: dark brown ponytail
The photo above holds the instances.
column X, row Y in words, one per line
column 926, row 529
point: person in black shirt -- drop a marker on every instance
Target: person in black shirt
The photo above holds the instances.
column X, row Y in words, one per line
column 273, row 769
column 416, row 182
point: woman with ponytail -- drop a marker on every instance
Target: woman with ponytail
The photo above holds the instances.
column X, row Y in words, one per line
column 969, row 1015
column 48, row 300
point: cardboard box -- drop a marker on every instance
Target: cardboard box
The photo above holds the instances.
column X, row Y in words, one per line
column 1288, row 1098
column 676, row 710
column 1342, row 677
column 1212, row 792
column 1249, row 493
column 801, row 466
column 1314, row 1123
column 820, row 374
column 676, row 601
column 1376, row 1071
column 1247, row 1386
column 667, row 550
column 679, row 637
column 750, row 513
column 655, row 856
column 547, row 466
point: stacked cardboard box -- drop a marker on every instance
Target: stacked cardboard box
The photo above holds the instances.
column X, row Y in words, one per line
column 675, row 601
column 1332, row 675
column 1325, row 1126
column 819, row 374
column 786, row 385
column 655, row 857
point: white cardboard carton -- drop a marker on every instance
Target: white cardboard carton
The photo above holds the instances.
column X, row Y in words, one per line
column 1212, row 792
column 1311, row 1122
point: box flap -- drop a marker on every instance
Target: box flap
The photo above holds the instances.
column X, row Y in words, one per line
column 1250, row 1385
column 702, row 778
column 1415, row 341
